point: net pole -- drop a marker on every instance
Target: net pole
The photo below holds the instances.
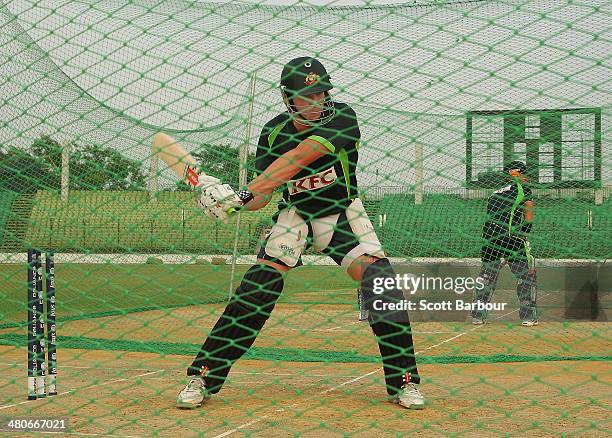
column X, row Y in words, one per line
column 243, row 157
column 65, row 172
column 418, row 165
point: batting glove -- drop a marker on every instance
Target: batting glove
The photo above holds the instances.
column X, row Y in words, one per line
column 217, row 200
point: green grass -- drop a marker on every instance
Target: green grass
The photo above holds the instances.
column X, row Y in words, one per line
column 92, row 290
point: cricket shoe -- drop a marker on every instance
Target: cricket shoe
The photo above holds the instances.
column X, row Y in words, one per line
column 477, row 321
column 409, row 397
column 529, row 322
column 193, row 395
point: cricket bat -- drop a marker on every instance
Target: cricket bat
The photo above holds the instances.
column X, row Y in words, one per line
column 176, row 157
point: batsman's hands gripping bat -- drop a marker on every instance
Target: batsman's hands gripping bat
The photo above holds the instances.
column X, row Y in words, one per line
column 218, row 200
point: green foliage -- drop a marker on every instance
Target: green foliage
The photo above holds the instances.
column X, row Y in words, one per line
column 92, row 167
column 50, row 151
column 21, row 172
column 96, row 167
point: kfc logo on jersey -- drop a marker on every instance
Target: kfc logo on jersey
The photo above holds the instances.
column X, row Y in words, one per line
column 312, row 182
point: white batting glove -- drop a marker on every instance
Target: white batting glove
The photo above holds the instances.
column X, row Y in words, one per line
column 217, row 200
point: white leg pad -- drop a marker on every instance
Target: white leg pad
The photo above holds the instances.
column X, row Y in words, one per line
column 364, row 232
column 287, row 239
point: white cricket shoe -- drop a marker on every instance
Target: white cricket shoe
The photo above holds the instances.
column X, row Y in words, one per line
column 477, row 321
column 529, row 322
column 409, row 397
column 193, row 395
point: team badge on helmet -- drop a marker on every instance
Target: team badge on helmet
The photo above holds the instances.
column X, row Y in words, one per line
column 311, row 78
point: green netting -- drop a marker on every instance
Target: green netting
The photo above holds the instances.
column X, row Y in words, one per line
column 445, row 94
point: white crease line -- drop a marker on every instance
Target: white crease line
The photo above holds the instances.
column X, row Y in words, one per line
column 81, row 389
column 229, row 432
column 258, row 420
column 340, row 326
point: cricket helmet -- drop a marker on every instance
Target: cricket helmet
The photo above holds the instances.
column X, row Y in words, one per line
column 301, row 77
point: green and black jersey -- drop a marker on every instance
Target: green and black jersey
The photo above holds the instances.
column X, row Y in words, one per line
column 328, row 184
column 505, row 211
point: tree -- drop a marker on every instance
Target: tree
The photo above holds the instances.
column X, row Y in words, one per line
column 48, row 153
column 21, row 172
column 92, row 167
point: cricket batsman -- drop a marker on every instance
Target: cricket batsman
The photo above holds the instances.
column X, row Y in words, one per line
column 510, row 213
column 312, row 148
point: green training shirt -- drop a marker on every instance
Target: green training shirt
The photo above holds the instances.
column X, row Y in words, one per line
column 328, row 184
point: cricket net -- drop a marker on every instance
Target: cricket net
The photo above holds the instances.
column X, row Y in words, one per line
column 446, row 93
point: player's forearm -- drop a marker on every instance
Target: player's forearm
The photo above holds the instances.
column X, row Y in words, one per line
column 277, row 174
column 282, row 170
